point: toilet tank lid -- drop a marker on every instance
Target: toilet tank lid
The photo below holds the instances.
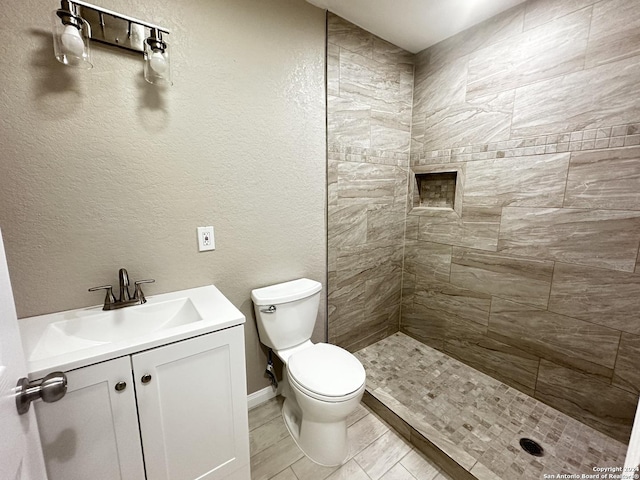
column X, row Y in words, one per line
column 285, row 292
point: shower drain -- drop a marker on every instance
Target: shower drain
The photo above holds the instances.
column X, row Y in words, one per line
column 531, row 447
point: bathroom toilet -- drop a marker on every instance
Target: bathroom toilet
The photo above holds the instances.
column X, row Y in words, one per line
column 323, row 383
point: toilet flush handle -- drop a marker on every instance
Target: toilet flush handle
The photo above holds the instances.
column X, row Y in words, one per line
column 271, row 309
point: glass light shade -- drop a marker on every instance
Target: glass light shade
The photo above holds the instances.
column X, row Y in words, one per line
column 71, row 40
column 157, row 67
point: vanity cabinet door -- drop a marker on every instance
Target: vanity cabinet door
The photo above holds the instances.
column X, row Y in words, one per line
column 92, row 432
column 192, row 405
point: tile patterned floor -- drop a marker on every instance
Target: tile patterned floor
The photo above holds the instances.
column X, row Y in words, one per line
column 477, row 420
column 376, row 451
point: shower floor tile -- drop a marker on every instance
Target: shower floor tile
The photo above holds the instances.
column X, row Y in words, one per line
column 477, row 420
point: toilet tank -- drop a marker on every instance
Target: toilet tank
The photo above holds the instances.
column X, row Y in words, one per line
column 286, row 312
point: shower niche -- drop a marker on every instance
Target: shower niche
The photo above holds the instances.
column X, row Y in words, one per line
column 437, row 189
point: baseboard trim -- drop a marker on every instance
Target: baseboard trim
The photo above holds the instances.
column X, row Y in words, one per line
column 256, row 399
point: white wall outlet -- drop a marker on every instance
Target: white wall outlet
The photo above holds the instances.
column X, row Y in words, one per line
column 206, row 240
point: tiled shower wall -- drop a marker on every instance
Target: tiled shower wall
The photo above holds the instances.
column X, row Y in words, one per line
column 534, row 276
column 369, row 95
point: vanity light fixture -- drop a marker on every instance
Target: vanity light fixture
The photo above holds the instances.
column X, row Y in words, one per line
column 71, row 34
column 77, row 22
column 156, row 59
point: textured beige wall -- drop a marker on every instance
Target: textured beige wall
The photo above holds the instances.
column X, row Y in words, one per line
column 100, row 170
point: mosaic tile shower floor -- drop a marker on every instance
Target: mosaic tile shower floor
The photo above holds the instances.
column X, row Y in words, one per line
column 477, row 420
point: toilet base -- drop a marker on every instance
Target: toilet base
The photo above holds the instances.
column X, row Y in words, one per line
column 321, row 433
column 325, row 443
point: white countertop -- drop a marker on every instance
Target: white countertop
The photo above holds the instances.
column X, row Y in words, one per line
column 49, row 345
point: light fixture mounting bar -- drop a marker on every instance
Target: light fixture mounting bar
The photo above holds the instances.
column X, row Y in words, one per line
column 114, row 28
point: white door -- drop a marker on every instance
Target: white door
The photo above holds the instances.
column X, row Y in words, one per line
column 20, row 450
column 632, row 462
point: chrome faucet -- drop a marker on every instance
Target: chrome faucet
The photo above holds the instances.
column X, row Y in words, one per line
column 125, row 300
column 124, row 285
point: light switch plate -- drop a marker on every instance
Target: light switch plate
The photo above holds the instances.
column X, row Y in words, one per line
column 206, row 239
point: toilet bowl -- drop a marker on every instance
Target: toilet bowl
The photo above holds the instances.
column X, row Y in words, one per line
column 323, row 383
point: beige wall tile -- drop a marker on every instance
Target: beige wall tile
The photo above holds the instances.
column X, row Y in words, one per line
column 332, row 181
column 350, row 326
column 369, row 261
column 418, row 125
column 368, row 183
column 537, row 181
column 391, row 130
column 478, row 228
column 382, row 292
column 498, row 28
column 372, row 83
column 361, row 341
column 626, row 374
column 427, row 259
column 555, row 337
column 479, row 120
column 424, row 324
column 456, row 332
column 552, row 49
column 522, row 280
column 441, row 86
column 348, row 122
column 604, row 407
column 386, row 223
column 504, row 362
column 333, row 69
column 385, row 52
column 538, row 12
column 347, row 225
column 600, row 238
column 466, row 234
column 597, row 97
column 464, row 304
column 604, row 179
column 345, row 34
column 346, row 304
column 604, row 297
column 614, row 32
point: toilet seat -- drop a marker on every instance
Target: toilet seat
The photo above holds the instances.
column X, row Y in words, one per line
column 326, row 372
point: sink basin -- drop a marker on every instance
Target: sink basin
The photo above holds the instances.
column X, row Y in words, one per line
column 77, row 338
column 116, row 325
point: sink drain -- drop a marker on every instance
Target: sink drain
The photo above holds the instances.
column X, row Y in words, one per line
column 531, row 447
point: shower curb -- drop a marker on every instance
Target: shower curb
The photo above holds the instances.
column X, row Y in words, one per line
column 417, row 439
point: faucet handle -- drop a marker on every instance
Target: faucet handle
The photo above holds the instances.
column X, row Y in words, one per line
column 138, row 295
column 109, row 299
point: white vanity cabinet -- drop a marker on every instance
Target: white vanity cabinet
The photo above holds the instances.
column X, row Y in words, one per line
column 92, row 432
column 183, row 405
column 193, row 409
